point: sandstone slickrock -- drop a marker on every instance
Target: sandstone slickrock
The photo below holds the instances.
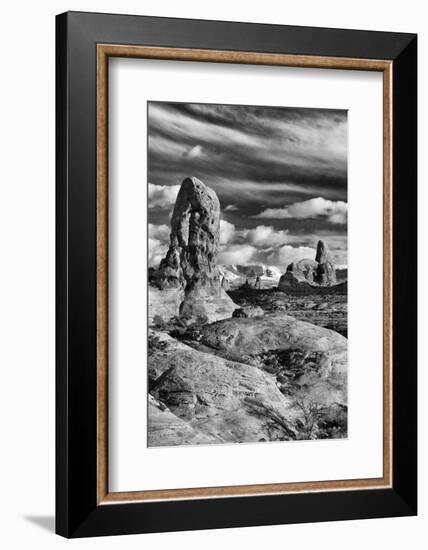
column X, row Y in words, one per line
column 190, row 263
column 164, row 428
column 244, row 380
column 164, row 303
column 300, row 276
column 217, row 399
column 241, row 337
column 311, row 359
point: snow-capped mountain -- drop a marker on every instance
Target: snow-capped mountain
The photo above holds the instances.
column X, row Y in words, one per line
column 235, row 273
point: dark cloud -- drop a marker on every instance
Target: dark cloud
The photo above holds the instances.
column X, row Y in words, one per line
column 259, row 160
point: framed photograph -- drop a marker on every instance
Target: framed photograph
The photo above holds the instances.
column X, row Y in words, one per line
column 236, row 274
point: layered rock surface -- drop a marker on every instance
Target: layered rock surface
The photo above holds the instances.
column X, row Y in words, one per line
column 164, row 428
column 308, row 361
column 199, row 397
column 245, row 380
column 190, row 263
column 244, row 337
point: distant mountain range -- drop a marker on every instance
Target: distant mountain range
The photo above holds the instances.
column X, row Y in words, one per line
column 237, row 272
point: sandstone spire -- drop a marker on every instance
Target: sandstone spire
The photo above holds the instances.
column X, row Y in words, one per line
column 323, row 253
column 190, row 263
column 194, row 239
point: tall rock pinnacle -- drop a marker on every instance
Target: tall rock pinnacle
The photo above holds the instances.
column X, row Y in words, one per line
column 190, row 263
column 195, row 235
column 323, row 253
column 326, row 272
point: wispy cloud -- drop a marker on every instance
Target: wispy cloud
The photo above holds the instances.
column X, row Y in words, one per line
column 246, row 145
column 280, row 175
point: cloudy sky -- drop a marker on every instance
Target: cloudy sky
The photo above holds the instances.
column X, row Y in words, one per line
column 280, row 175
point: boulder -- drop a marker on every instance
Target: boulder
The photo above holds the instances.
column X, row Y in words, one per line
column 199, row 397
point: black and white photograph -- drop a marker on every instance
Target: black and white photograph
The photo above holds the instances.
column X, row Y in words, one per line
column 213, row 253
column 247, row 256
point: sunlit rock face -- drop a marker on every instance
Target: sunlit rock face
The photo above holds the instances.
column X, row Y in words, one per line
column 199, row 398
column 190, row 263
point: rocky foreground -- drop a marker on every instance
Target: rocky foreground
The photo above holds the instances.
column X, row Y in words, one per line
column 247, row 365
column 268, row 378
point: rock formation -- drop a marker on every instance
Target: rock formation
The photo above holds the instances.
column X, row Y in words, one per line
column 242, row 379
column 326, row 272
column 189, row 271
column 242, row 337
column 194, row 239
column 308, row 268
column 322, row 255
column 164, row 428
column 306, row 272
column 313, row 358
column 198, row 398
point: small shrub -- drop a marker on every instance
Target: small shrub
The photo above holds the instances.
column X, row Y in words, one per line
column 156, row 344
column 312, row 414
column 158, row 322
column 201, row 320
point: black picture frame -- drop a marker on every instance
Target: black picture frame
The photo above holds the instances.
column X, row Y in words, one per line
column 77, row 511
